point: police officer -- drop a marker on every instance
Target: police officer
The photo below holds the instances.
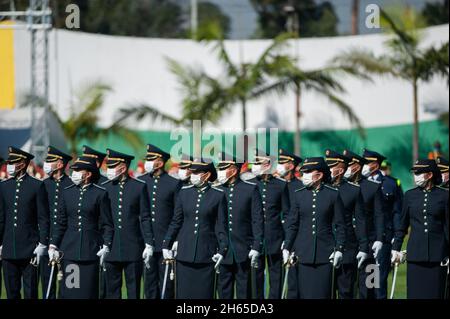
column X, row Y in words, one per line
column 84, row 231
column 392, row 207
column 162, row 190
column 373, row 206
column 133, row 238
column 320, row 209
column 99, row 157
column 356, row 248
column 288, row 163
column 275, row 199
column 54, row 166
column 183, row 169
column 24, row 226
column 1, row 285
column 200, row 222
column 246, row 229
column 425, row 210
column 442, row 164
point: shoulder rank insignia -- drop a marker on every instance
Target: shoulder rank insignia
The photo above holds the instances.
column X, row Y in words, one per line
column 250, row 183
column 98, row 186
column 330, row 187
column 300, row 189
column 187, row 186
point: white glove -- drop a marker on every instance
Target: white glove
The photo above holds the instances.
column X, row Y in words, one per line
column 336, row 258
column 376, row 247
column 147, row 254
column 361, row 257
column 285, row 253
column 174, row 249
column 53, row 253
column 39, row 251
column 444, row 263
column 396, row 257
column 102, row 253
column 253, row 255
column 167, row 254
column 217, row 258
column 282, row 246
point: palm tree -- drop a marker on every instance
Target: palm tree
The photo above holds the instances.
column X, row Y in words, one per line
column 405, row 59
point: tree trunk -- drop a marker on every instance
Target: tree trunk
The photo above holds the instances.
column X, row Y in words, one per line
column 244, row 115
column 297, row 138
column 416, row 123
column 355, row 17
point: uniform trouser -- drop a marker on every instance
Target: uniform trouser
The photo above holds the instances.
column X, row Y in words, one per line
column 367, row 279
column 425, row 280
column 133, row 275
column 17, row 272
column 44, row 272
column 293, row 291
column 195, row 281
column 345, row 280
column 154, row 279
column 274, row 266
column 314, row 280
column 81, row 280
column 236, row 273
column 384, row 261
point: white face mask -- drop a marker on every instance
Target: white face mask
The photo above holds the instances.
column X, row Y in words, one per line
column 334, row 174
column 77, row 177
column 348, row 173
column 444, row 178
column 196, row 179
column 281, row 169
column 11, row 169
column 48, row 168
column 222, row 176
column 366, row 170
column 420, row 180
column 307, row 179
column 256, row 169
column 149, row 166
column 111, row 173
column 182, row 174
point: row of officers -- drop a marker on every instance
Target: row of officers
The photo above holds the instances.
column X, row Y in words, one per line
column 210, row 233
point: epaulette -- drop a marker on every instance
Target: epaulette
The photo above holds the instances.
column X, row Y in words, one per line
column 106, row 182
column 99, row 187
column 330, row 187
column 138, row 180
column 443, row 188
column 72, row 185
column 187, row 186
column 5, row 180
column 217, row 189
column 280, row 179
column 373, row 181
column 354, row 184
column 250, row 183
column 300, row 189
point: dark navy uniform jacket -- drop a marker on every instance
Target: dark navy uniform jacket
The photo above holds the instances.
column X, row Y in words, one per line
column 355, row 221
column 426, row 211
column 24, row 217
column 245, row 220
column 392, row 203
column 54, row 189
column 84, row 222
column 200, row 222
column 275, row 199
column 162, row 192
column 374, row 207
column 310, row 224
column 130, row 210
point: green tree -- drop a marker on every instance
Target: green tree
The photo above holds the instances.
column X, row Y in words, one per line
column 405, row 59
column 436, row 13
column 314, row 19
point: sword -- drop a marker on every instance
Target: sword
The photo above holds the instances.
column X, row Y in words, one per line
column 253, row 280
column 166, row 271
column 446, row 264
column 50, row 281
column 291, row 262
column 394, row 277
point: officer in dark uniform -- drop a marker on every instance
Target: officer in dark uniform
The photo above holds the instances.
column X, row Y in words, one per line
column 246, row 229
column 162, row 190
column 133, row 239
column 288, row 164
column 392, row 203
column 275, row 200
column 317, row 209
column 442, row 164
column 356, row 247
column 425, row 210
column 1, row 285
column 200, row 222
column 99, row 158
column 373, row 206
column 54, row 166
column 183, row 169
column 83, row 233
column 24, row 226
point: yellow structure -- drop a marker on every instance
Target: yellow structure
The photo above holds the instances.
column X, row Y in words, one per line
column 7, row 81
